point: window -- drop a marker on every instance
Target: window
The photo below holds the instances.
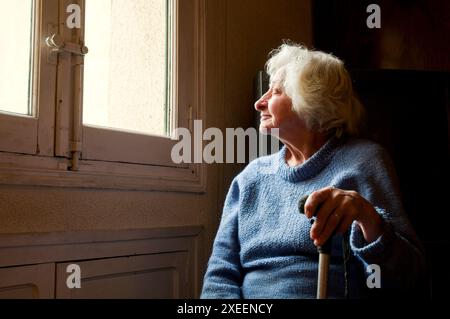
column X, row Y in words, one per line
column 27, row 81
column 101, row 117
column 125, row 72
column 17, row 56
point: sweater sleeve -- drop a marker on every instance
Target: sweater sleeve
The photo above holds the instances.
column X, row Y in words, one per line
column 223, row 276
column 398, row 251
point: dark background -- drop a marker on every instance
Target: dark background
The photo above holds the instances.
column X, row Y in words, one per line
column 401, row 73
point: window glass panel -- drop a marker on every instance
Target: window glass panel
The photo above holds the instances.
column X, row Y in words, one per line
column 16, row 56
column 125, row 71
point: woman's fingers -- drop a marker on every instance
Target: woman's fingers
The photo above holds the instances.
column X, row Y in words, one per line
column 324, row 216
column 332, row 223
column 335, row 210
column 316, row 199
column 345, row 224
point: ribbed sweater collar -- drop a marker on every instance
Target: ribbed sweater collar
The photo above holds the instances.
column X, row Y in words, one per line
column 313, row 166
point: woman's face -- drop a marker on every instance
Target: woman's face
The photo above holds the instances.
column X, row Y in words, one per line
column 276, row 109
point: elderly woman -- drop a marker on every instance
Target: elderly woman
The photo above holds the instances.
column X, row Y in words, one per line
column 264, row 248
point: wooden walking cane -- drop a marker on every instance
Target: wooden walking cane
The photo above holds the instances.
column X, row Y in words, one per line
column 324, row 257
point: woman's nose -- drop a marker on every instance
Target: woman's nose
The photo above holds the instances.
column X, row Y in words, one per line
column 261, row 104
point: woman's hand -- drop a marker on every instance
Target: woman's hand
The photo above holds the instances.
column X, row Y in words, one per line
column 336, row 209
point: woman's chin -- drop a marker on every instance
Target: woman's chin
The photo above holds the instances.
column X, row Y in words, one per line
column 265, row 129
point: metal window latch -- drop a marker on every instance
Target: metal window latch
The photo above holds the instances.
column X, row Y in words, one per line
column 57, row 45
column 75, row 52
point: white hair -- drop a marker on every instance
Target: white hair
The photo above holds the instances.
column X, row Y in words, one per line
column 319, row 86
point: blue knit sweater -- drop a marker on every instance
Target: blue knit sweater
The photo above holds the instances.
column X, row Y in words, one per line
column 263, row 250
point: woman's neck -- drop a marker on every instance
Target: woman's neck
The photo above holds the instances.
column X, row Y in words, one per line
column 301, row 147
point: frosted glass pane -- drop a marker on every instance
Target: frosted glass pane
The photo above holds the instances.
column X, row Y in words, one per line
column 125, row 69
column 15, row 56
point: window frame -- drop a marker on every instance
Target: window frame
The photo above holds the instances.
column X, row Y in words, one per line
column 110, row 168
column 29, row 134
